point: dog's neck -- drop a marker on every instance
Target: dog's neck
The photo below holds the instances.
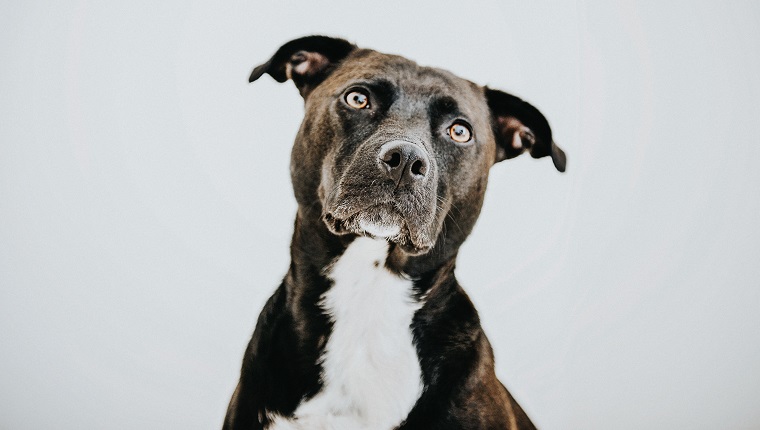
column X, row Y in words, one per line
column 354, row 311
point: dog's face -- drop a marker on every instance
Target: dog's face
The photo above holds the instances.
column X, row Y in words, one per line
column 394, row 150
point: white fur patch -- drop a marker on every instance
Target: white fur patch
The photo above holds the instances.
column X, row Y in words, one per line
column 371, row 372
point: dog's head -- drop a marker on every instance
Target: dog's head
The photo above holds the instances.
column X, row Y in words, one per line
column 395, row 150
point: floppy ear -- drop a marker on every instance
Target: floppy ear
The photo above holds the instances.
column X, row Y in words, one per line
column 307, row 61
column 520, row 127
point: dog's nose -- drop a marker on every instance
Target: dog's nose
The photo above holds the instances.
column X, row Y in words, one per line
column 403, row 162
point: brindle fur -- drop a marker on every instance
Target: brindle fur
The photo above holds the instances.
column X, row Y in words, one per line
column 334, row 175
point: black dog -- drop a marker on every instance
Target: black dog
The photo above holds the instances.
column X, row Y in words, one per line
column 370, row 329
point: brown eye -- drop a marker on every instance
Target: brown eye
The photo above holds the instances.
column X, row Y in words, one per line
column 357, row 99
column 460, row 133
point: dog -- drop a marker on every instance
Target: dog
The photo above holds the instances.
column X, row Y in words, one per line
column 369, row 328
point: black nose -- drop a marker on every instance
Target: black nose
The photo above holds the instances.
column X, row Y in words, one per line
column 403, row 162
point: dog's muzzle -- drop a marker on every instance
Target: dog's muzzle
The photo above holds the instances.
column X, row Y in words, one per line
column 390, row 194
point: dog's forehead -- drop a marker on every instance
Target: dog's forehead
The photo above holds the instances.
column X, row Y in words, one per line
column 408, row 77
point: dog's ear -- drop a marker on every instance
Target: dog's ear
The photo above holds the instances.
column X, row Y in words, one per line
column 307, row 61
column 520, row 127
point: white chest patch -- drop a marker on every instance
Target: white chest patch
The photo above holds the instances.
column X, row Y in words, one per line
column 371, row 372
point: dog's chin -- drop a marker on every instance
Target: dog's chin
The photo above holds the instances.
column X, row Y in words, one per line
column 380, row 222
column 380, row 231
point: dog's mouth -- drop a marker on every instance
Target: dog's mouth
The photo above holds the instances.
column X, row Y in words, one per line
column 380, row 221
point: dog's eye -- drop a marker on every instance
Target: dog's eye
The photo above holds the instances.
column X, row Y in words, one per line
column 460, row 132
column 357, row 99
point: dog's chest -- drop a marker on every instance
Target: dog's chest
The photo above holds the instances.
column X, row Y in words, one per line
column 371, row 371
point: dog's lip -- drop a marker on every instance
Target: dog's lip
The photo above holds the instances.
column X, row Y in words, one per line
column 333, row 218
column 347, row 223
column 346, row 207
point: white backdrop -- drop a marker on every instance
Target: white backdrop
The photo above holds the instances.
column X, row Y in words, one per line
column 146, row 212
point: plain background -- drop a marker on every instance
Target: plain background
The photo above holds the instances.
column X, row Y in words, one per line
column 146, row 210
